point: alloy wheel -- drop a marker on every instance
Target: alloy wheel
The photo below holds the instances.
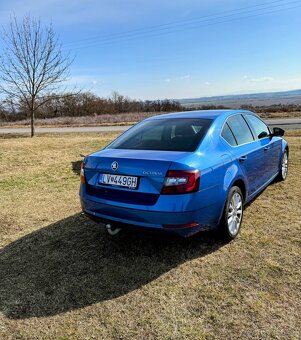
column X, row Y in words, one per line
column 234, row 216
column 284, row 165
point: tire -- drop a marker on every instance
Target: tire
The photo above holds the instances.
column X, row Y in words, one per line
column 283, row 167
column 230, row 227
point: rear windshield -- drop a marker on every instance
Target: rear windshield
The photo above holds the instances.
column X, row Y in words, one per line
column 170, row 134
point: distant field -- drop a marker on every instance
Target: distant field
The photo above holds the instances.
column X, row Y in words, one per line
column 62, row 277
column 114, row 119
column 255, row 99
column 295, row 114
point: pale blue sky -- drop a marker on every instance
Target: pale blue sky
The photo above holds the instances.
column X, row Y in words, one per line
column 175, row 49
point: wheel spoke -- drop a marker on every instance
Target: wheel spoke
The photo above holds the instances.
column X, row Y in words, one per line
column 232, row 226
column 234, row 229
column 284, row 166
column 238, row 205
column 235, row 200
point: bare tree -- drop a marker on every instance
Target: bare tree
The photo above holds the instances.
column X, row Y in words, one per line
column 32, row 64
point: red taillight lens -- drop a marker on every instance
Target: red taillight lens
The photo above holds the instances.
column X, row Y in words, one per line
column 82, row 173
column 181, row 182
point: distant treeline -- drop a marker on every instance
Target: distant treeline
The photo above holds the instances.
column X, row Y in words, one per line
column 273, row 108
column 85, row 104
column 89, row 104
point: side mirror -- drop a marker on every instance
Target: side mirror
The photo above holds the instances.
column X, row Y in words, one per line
column 278, row 132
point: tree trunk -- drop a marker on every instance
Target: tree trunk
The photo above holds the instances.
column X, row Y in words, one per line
column 32, row 122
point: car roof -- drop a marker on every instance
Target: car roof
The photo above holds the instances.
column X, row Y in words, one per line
column 206, row 114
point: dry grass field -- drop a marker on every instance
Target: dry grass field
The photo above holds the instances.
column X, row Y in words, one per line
column 62, row 277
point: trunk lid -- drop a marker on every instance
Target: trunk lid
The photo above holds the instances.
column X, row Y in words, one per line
column 149, row 166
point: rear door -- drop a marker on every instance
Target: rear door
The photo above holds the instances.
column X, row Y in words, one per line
column 247, row 151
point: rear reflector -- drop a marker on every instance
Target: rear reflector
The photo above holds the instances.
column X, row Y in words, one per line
column 82, row 173
column 181, row 182
column 179, row 226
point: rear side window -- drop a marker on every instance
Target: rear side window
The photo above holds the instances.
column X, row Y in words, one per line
column 240, row 129
column 171, row 134
column 259, row 127
column 228, row 135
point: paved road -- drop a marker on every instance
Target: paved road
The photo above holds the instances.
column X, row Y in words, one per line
column 66, row 129
column 285, row 123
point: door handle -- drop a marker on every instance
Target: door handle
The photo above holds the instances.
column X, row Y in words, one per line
column 267, row 148
column 242, row 158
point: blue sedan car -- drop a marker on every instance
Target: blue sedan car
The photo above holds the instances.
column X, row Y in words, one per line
column 183, row 172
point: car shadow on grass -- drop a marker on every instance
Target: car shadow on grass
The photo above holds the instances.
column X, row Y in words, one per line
column 73, row 263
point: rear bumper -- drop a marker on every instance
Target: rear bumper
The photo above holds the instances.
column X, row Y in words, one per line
column 106, row 213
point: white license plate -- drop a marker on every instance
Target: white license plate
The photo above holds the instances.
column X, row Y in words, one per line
column 119, row 180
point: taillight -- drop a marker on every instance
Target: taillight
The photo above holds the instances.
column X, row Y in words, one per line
column 181, row 182
column 82, row 173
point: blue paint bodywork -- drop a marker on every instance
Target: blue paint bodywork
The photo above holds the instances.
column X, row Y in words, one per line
column 217, row 161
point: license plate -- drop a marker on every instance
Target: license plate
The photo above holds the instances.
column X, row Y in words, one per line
column 119, row 180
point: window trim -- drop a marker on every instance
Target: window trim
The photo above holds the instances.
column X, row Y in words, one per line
column 238, row 145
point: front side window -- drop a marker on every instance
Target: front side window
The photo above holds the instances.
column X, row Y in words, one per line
column 259, row 127
column 240, row 129
column 171, row 134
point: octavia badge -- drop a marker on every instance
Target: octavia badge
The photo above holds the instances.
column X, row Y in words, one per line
column 114, row 166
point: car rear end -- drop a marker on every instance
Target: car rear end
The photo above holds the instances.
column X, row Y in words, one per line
column 136, row 185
